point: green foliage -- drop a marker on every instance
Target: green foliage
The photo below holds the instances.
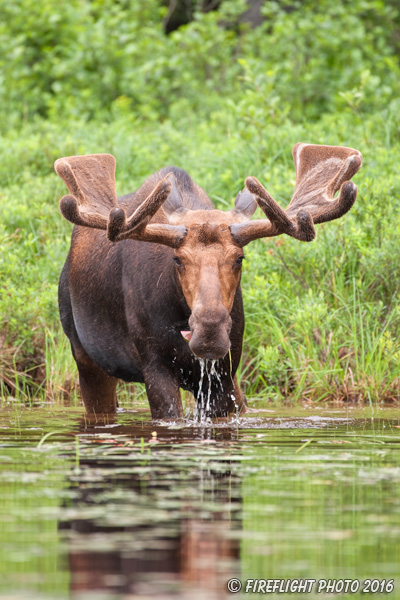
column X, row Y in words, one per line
column 86, row 58
column 222, row 101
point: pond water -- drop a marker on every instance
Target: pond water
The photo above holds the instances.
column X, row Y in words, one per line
column 137, row 509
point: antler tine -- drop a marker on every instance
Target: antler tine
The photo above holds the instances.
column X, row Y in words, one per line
column 340, row 206
column 333, row 209
column 70, row 210
column 137, row 226
column 302, row 228
column 91, row 181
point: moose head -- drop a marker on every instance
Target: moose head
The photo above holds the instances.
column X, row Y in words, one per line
column 208, row 243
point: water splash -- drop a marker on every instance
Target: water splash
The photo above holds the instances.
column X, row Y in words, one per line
column 204, row 409
column 235, row 418
column 204, row 400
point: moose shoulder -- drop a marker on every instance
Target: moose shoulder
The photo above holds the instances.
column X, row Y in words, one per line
column 152, row 280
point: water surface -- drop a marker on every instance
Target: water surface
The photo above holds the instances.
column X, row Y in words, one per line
column 136, row 508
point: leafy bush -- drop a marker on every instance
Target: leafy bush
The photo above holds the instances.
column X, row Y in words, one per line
column 86, row 58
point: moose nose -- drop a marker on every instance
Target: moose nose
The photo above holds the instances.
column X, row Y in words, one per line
column 210, row 332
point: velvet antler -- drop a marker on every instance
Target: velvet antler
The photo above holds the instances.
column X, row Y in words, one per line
column 91, row 181
column 93, row 202
column 137, row 226
column 320, row 172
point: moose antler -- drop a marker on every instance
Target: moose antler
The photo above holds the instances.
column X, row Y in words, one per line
column 91, row 181
column 320, row 172
column 137, row 226
column 93, row 202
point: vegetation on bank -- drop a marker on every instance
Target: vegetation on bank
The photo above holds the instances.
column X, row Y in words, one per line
column 222, row 101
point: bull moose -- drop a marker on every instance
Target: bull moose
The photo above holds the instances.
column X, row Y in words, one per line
column 151, row 286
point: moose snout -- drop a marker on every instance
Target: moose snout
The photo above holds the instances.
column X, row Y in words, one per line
column 210, row 332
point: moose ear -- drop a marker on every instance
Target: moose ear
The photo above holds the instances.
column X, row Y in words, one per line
column 174, row 202
column 245, row 204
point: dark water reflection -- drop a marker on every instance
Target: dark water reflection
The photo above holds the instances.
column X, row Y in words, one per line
column 137, row 509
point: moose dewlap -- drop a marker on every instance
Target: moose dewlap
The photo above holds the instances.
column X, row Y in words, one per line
column 147, row 312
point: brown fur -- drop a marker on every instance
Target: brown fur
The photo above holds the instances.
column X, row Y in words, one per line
column 209, row 251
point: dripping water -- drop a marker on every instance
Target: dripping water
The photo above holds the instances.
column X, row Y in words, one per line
column 204, row 406
column 199, row 414
column 210, row 374
column 237, row 409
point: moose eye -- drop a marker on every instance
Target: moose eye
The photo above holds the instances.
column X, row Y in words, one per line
column 238, row 261
column 177, row 261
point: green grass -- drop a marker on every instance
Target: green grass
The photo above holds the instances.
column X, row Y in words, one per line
column 322, row 319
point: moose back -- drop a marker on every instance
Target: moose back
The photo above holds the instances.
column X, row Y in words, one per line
column 151, row 285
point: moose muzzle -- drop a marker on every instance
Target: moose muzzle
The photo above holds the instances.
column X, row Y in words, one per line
column 210, row 332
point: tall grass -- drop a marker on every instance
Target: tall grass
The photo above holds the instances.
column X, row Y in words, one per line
column 322, row 319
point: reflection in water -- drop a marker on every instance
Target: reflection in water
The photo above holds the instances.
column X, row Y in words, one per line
column 134, row 534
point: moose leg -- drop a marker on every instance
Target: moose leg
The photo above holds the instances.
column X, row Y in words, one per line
column 97, row 388
column 240, row 398
column 162, row 389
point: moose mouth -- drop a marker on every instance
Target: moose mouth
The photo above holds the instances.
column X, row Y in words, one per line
column 184, row 328
column 207, row 338
column 187, row 335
